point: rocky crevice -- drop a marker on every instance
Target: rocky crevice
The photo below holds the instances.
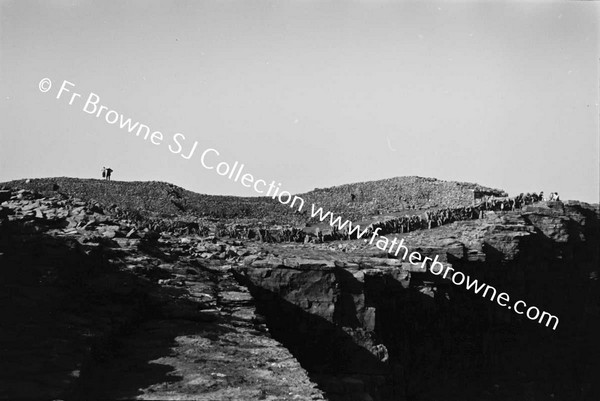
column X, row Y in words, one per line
column 419, row 337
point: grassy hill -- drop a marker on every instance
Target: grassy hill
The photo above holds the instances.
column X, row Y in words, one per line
column 152, row 197
column 157, row 198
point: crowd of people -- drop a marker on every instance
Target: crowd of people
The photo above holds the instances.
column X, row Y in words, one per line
column 511, row 203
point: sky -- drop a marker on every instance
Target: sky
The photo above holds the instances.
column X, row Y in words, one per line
column 309, row 94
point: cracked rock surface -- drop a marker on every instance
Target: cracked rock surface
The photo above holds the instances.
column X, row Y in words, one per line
column 94, row 309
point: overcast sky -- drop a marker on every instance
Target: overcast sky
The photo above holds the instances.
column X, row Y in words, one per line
column 307, row 93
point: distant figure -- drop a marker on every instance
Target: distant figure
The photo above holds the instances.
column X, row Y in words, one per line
column 103, row 173
column 353, row 197
column 542, row 198
column 108, row 173
column 318, row 234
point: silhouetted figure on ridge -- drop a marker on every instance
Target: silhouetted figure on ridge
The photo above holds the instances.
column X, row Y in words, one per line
column 103, row 173
column 108, row 173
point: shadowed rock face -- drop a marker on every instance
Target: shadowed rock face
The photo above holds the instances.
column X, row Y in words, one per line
column 401, row 333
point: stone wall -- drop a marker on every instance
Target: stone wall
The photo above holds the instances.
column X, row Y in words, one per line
column 395, row 195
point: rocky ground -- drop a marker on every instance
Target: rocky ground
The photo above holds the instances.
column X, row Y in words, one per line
column 93, row 309
column 98, row 307
column 421, row 337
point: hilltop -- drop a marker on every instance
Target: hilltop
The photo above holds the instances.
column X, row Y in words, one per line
column 155, row 198
column 354, row 201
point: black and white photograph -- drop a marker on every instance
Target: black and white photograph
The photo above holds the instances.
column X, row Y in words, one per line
column 300, row 200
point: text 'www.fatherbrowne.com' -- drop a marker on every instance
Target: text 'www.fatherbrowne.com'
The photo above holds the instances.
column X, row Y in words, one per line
column 210, row 160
